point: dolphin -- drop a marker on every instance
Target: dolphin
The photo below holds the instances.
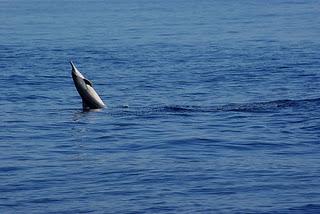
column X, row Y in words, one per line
column 90, row 98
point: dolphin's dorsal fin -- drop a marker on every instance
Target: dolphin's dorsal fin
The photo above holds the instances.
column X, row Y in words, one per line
column 88, row 82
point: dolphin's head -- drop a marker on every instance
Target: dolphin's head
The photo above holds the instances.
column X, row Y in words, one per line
column 90, row 98
column 75, row 71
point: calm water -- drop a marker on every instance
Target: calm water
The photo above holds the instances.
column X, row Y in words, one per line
column 213, row 106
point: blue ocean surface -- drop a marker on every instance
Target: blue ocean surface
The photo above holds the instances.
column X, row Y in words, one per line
column 212, row 106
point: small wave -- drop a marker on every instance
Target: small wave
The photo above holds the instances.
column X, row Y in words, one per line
column 177, row 108
column 246, row 107
column 307, row 209
column 255, row 107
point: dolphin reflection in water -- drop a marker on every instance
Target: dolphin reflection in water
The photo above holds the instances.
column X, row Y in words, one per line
column 90, row 98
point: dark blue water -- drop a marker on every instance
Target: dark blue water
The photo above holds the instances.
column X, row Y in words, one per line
column 213, row 107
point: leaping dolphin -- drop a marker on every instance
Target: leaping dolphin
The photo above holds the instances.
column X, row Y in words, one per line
column 90, row 98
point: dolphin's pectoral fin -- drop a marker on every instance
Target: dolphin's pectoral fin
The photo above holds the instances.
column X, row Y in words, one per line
column 88, row 82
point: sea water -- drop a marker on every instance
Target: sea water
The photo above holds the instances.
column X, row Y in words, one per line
column 213, row 106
